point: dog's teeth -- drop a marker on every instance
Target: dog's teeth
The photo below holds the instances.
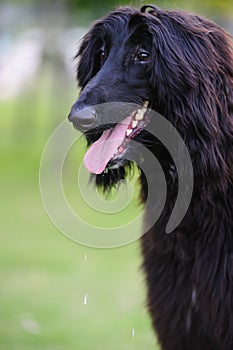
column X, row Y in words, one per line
column 144, row 109
column 134, row 124
column 139, row 115
column 128, row 132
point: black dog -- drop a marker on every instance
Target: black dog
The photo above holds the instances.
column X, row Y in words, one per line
column 181, row 66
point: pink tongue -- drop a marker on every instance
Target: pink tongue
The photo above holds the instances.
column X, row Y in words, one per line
column 100, row 153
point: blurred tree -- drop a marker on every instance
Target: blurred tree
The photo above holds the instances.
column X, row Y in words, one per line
column 211, row 6
column 94, row 7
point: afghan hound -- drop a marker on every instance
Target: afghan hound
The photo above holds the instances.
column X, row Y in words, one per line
column 181, row 66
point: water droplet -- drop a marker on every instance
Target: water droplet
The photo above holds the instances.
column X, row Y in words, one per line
column 132, row 333
column 85, row 299
column 85, row 257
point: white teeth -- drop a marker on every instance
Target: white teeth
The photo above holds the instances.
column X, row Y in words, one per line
column 138, row 117
column 144, row 110
column 134, row 124
column 140, row 114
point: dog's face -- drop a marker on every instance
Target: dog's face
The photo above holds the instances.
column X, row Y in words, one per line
column 175, row 63
column 115, row 58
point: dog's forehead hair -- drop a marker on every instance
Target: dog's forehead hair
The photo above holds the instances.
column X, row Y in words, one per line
column 116, row 28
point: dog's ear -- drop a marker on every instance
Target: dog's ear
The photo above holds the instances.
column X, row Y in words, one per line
column 187, row 51
column 191, row 73
column 174, row 56
column 87, row 63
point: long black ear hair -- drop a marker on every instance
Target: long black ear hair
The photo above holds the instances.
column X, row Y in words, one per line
column 88, row 64
column 192, row 76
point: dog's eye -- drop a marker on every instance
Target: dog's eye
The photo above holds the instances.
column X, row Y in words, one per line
column 102, row 55
column 143, row 56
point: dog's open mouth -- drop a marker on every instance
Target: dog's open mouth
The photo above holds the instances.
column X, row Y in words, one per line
column 113, row 142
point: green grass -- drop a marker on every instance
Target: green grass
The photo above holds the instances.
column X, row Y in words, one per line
column 44, row 276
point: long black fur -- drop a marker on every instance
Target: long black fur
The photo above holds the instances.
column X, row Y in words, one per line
column 189, row 80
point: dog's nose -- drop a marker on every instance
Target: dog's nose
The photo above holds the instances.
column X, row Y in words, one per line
column 83, row 119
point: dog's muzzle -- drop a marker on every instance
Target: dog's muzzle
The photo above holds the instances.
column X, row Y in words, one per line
column 83, row 119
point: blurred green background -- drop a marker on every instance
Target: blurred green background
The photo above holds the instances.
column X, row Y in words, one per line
column 56, row 294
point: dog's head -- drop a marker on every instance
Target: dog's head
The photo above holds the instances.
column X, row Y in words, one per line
column 176, row 63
